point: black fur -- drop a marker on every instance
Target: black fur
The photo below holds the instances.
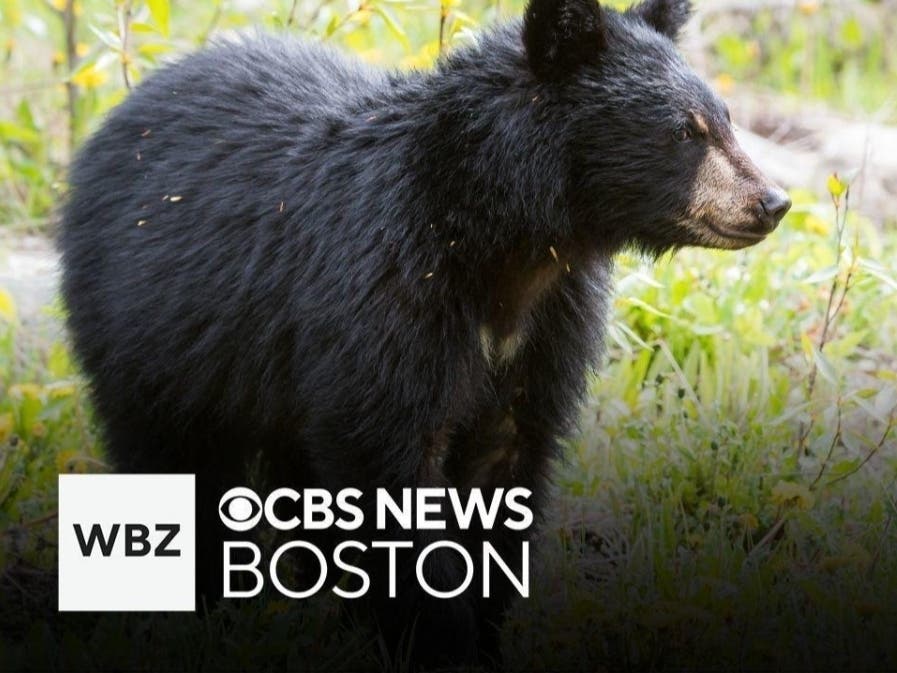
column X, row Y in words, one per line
column 665, row 16
column 269, row 247
column 560, row 36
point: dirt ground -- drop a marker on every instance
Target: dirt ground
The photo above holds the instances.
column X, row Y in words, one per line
column 29, row 271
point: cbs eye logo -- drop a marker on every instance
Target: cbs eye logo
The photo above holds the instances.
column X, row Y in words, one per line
column 240, row 509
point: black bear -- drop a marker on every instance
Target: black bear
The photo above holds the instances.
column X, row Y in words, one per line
column 276, row 255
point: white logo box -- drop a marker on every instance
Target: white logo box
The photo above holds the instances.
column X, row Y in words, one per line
column 119, row 582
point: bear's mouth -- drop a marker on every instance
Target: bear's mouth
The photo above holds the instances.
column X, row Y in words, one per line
column 741, row 234
column 742, row 238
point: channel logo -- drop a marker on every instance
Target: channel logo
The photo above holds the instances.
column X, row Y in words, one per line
column 240, row 509
column 127, row 542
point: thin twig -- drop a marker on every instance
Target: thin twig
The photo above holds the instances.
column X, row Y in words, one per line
column 346, row 18
column 875, row 449
column 124, row 29
column 844, row 292
column 213, row 23
column 831, row 449
column 884, row 536
column 840, row 222
column 292, row 15
column 443, row 16
column 69, row 22
column 316, row 12
column 831, row 309
column 771, row 533
column 7, row 575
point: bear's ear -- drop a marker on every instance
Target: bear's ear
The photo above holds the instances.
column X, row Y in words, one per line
column 667, row 17
column 562, row 35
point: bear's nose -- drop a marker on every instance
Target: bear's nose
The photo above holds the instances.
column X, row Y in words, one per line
column 773, row 207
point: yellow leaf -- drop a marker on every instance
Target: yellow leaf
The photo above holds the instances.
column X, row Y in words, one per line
column 153, row 49
column 160, row 11
column 90, row 77
column 836, row 186
column 7, row 306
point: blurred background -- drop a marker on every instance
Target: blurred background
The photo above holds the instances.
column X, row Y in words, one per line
column 730, row 500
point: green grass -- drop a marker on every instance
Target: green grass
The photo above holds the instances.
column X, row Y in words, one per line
column 840, row 53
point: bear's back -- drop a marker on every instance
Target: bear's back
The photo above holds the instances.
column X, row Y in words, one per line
column 183, row 201
column 250, row 71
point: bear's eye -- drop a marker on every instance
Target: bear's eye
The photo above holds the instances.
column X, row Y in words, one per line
column 682, row 134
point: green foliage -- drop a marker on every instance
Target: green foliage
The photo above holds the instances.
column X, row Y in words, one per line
column 44, row 430
column 838, row 52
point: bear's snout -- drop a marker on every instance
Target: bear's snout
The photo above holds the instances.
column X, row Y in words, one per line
column 771, row 208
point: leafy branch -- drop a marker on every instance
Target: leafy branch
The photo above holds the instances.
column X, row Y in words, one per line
column 875, row 449
column 842, row 282
column 841, row 285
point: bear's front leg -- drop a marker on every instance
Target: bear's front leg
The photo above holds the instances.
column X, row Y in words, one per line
column 516, row 433
column 502, row 449
column 421, row 628
column 421, row 619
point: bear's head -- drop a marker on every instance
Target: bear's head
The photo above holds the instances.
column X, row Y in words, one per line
column 652, row 150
